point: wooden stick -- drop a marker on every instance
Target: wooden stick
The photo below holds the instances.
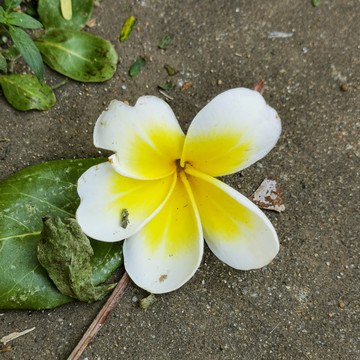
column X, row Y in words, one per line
column 101, row 317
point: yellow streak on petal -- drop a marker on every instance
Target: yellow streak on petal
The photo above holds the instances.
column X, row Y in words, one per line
column 140, row 197
column 217, row 151
column 221, row 216
column 176, row 226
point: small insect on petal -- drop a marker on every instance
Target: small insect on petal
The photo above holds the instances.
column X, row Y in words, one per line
column 124, row 218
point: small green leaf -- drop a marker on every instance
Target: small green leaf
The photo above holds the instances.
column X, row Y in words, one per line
column 24, row 92
column 11, row 53
column 127, row 28
column 79, row 55
column 315, row 2
column 65, row 252
column 3, row 63
column 168, row 85
column 171, row 71
column 25, row 198
column 136, row 66
column 164, row 42
column 23, row 20
column 51, row 15
column 28, row 50
column 11, row 4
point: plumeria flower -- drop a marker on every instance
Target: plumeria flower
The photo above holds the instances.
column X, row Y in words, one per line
column 159, row 191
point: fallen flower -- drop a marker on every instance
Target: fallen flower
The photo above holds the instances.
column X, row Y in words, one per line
column 167, row 183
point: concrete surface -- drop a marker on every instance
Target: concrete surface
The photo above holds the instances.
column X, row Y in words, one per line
column 305, row 305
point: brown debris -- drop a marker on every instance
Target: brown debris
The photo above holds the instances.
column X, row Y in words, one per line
column 187, row 85
column 260, row 86
column 268, row 196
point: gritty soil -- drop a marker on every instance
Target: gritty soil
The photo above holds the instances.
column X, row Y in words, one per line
column 305, row 304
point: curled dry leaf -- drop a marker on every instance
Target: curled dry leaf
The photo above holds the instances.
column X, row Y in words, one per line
column 268, row 196
column 260, row 86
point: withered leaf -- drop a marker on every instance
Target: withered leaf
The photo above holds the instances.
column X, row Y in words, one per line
column 65, row 252
column 268, row 196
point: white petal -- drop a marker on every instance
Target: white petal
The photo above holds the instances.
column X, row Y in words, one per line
column 146, row 138
column 229, row 134
column 104, row 194
column 234, row 228
column 167, row 251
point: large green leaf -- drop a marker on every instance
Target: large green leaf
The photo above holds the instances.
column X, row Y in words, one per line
column 25, row 92
column 51, row 17
column 78, row 55
column 25, row 198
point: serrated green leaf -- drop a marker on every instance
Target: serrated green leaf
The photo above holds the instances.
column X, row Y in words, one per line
column 3, row 63
column 23, row 20
column 51, row 16
column 80, row 56
column 25, row 92
column 28, row 50
column 25, row 198
column 127, row 28
column 164, row 42
column 65, row 252
column 136, row 66
column 11, row 4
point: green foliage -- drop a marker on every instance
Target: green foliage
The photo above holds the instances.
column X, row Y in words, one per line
column 3, row 64
column 28, row 50
column 23, row 20
column 11, row 4
column 51, row 17
column 80, row 56
column 136, row 66
column 25, row 198
column 25, row 92
column 164, row 42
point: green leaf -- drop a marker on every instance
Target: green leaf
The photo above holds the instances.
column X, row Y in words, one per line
column 315, row 2
column 65, row 252
column 11, row 53
column 51, row 16
column 28, row 50
column 127, row 28
column 11, row 4
column 168, row 85
column 2, row 16
column 136, row 66
column 171, row 71
column 164, row 42
column 25, row 198
column 3, row 63
column 25, row 92
column 80, row 56
column 23, row 20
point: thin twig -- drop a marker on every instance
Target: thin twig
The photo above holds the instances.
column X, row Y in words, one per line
column 101, row 317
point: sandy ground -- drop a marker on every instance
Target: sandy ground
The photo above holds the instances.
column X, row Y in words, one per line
column 305, row 305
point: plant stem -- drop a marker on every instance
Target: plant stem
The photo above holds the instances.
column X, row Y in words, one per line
column 101, row 317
